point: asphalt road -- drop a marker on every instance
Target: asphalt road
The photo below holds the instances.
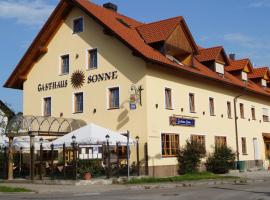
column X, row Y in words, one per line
column 258, row 191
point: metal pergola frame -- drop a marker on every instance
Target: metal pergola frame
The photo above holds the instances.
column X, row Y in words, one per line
column 32, row 126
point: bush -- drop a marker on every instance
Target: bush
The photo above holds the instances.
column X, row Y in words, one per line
column 189, row 157
column 93, row 166
column 221, row 160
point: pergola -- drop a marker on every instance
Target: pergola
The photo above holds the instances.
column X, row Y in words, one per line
column 32, row 126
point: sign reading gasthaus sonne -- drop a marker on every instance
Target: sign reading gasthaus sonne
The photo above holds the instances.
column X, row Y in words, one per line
column 102, row 77
column 52, row 85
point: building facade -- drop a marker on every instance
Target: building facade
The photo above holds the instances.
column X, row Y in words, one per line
column 90, row 62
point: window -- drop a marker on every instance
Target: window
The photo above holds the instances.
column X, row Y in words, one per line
column 200, row 139
column 191, row 103
column 122, row 152
column 264, row 83
column 244, row 76
column 220, row 141
column 253, row 115
column 242, row 113
column 265, row 115
column 78, row 25
column 211, row 106
column 244, row 145
column 78, row 102
column 168, row 98
column 229, row 109
column 47, row 106
column 65, row 64
column 92, row 59
column 114, row 98
column 170, row 144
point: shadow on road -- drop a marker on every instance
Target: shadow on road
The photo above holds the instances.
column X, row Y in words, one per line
column 238, row 189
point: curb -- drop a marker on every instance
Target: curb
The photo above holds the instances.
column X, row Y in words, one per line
column 193, row 184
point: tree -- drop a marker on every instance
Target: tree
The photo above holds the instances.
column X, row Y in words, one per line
column 221, row 160
column 189, row 157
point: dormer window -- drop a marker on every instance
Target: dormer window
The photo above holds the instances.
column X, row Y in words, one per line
column 264, row 84
column 244, row 76
column 219, row 68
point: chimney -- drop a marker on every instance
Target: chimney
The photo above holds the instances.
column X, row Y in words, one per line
column 110, row 6
column 232, row 56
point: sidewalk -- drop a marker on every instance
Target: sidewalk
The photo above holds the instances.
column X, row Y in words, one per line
column 245, row 178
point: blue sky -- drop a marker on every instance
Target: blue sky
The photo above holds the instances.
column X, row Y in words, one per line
column 241, row 26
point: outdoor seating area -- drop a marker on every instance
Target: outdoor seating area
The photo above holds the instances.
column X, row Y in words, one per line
column 85, row 152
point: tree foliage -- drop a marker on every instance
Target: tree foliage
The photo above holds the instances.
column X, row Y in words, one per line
column 189, row 157
column 221, row 160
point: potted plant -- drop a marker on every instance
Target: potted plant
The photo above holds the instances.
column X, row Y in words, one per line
column 85, row 172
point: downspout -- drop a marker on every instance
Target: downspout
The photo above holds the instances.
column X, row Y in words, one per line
column 236, row 125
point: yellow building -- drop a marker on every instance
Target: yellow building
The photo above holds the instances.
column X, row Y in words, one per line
column 90, row 62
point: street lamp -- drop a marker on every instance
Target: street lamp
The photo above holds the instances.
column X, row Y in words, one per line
column 41, row 158
column 108, row 157
column 74, row 143
column 138, row 156
column 52, row 159
column 21, row 159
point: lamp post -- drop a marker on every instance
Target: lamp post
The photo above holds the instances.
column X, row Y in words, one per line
column 74, row 144
column 41, row 158
column 21, row 160
column 108, row 157
column 138, row 156
column 52, row 159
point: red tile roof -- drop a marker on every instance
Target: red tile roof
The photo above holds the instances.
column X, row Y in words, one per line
column 158, row 31
column 131, row 36
column 209, row 54
column 258, row 72
column 236, row 65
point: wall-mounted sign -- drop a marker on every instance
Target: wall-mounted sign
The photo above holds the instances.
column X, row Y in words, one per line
column 132, row 106
column 77, row 79
column 52, row 85
column 102, row 77
column 179, row 121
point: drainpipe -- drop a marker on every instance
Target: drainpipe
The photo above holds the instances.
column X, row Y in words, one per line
column 236, row 125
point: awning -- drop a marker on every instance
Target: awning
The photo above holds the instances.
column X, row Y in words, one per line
column 92, row 134
column 3, row 141
column 24, row 143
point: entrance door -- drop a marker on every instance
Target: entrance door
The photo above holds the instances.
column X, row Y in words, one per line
column 256, row 149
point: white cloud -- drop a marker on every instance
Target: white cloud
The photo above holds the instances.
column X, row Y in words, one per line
column 259, row 3
column 27, row 12
column 257, row 49
column 247, row 41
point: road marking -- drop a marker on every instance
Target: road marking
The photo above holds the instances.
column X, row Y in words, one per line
column 86, row 194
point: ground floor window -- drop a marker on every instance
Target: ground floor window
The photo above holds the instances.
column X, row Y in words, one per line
column 220, row 141
column 200, row 139
column 170, row 144
column 244, row 145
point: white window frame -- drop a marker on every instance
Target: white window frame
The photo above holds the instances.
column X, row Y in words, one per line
column 73, row 102
column 72, row 24
column 87, row 61
column 263, row 82
column 244, row 76
column 60, row 64
column 172, row 99
column 108, row 97
column 42, row 105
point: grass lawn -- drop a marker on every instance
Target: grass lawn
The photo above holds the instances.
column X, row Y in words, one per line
column 13, row 189
column 185, row 177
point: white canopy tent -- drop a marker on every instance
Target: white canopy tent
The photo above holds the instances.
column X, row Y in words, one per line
column 92, row 134
column 3, row 141
column 24, row 143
